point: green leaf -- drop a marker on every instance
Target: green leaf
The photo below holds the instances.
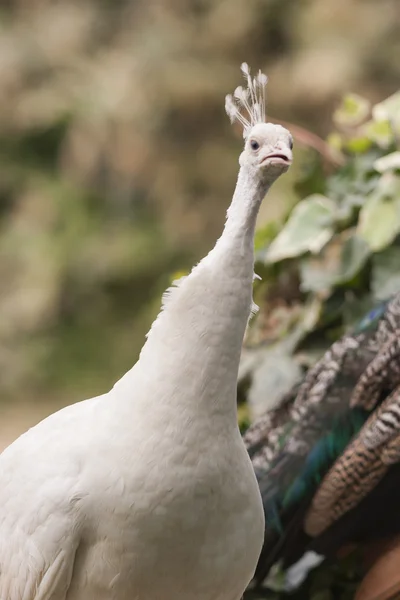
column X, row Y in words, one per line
column 308, row 229
column 341, row 260
column 385, row 277
column 353, row 257
column 353, row 111
column 379, row 218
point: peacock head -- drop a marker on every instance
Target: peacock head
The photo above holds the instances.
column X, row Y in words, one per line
column 268, row 147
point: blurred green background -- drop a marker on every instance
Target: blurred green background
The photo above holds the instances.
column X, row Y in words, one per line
column 117, row 161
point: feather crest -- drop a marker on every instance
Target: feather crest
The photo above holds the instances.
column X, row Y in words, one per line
column 250, row 99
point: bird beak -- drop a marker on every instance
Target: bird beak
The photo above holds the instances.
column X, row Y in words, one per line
column 277, row 158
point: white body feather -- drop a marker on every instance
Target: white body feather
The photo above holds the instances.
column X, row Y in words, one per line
column 147, row 492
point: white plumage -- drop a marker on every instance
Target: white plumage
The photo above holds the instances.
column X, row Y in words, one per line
column 147, row 492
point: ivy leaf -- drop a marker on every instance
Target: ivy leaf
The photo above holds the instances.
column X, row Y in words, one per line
column 379, row 218
column 308, row 229
column 341, row 260
column 385, row 277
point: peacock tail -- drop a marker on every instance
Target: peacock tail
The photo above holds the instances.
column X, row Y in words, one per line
column 359, row 469
column 329, row 446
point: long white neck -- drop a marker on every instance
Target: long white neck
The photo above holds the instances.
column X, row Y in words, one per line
column 242, row 213
column 194, row 345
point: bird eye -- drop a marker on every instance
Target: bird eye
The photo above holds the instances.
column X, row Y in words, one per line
column 291, row 143
column 254, row 145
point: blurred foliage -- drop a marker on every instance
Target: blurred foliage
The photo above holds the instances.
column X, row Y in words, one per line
column 117, row 165
column 337, row 254
column 111, row 124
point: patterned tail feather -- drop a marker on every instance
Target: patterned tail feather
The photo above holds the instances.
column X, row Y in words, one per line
column 294, row 446
column 383, row 370
column 360, row 467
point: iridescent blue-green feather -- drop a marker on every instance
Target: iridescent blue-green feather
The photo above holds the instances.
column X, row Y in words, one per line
column 294, row 446
column 323, row 454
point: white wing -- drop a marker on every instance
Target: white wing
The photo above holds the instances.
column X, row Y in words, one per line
column 26, row 573
column 40, row 509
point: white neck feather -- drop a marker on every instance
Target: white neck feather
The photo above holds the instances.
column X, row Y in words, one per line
column 194, row 345
column 242, row 213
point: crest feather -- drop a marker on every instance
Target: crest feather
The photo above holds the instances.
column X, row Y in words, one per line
column 250, row 99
